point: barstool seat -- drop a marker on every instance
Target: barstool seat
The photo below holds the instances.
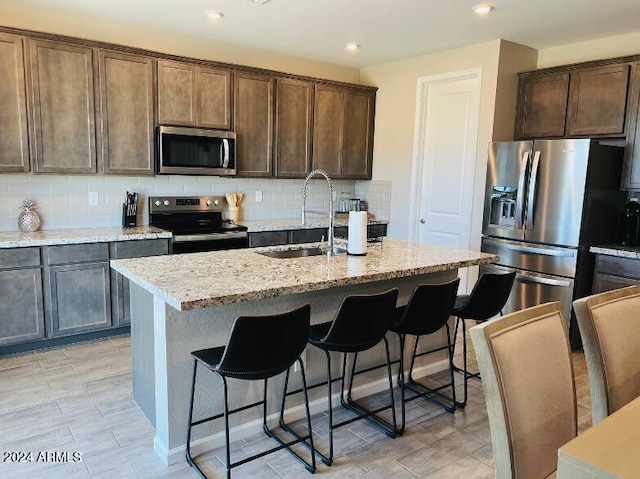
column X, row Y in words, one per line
column 488, row 297
column 259, row 348
column 361, row 323
column 427, row 312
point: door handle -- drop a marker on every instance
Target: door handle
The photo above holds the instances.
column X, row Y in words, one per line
column 520, row 198
column 423, row 221
column 533, row 184
column 525, row 278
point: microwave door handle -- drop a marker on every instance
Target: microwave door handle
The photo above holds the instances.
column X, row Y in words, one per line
column 533, row 184
column 520, row 199
column 225, row 147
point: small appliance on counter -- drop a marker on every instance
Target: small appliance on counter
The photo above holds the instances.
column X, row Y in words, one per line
column 630, row 226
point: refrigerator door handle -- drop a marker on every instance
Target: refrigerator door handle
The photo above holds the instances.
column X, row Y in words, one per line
column 533, row 184
column 521, row 183
column 566, row 252
column 525, row 278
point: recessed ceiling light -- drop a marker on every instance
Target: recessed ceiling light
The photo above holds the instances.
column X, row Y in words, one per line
column 483, row 8
column 214, row 15
column 258, row 1
column 351, row 47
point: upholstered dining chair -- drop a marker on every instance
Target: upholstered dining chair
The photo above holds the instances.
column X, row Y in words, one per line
column 528, row 380
column 609, row 326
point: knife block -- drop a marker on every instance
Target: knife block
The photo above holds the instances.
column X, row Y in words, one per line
column 129, row 215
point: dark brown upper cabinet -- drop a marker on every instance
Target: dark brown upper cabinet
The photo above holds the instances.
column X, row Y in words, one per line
column 253, row 120
column 573, row 101
column 542, row 106
column 62, row 96
column 194, row 95
column 294, row 107
column 343, row 131
column 126, row 119
column 14, row 137
column 631, row 171
column 597, row 101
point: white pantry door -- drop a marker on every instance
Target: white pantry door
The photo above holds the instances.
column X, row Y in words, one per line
column 447, row 117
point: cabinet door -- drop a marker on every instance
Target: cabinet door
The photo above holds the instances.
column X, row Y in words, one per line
column 64, row 134
column 542, row 106
column 358, row 135
column 126, row 113
column 597, row 101
column 176, row 93
column 120, row 306
column 213, row 87
column 253, row 113
column 328, row 128
column 14, row 139
column 77, row 298
column 605, row 282
column 21, row 317
column 294, row 100
column 631, row 172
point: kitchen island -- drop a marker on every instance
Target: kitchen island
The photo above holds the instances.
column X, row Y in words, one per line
column 182, row 303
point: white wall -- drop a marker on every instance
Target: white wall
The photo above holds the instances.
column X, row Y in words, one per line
column 608, row 47
column 16, row 14
column 62, row 200
column 395, row 118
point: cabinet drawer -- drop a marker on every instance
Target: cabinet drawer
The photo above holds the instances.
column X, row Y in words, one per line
column 308, row 235
column 617, row 266
column 139, row 248
column 76, row 253
column 268, row 238
column 19, row 257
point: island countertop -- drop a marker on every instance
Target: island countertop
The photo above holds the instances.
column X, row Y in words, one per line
column 201, row 280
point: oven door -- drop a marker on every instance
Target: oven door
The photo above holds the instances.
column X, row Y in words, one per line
column 209, row 242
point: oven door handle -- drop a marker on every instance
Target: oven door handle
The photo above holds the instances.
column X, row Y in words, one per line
column 209, row 237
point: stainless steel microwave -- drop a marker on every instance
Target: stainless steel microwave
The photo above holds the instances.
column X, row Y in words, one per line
column 195, row 151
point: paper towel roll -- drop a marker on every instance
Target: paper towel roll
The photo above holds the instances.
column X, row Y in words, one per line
column 357, row 235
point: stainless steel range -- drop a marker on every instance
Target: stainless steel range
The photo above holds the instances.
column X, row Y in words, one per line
column 196, row 223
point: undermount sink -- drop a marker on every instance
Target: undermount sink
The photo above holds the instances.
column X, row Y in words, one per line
column 293, row 253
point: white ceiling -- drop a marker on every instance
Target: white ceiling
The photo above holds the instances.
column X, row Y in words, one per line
column 388, row 30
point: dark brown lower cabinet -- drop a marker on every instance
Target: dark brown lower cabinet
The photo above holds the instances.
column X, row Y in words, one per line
column 77, row 298
column 613, row 272
column 21, row 314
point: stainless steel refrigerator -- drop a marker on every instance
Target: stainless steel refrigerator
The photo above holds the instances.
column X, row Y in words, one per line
column 546, row 202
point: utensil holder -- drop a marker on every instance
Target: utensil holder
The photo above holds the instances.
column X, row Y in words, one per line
column 234, row 214
column 129, row 215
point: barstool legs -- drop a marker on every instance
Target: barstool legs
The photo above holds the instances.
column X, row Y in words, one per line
column 310, row 466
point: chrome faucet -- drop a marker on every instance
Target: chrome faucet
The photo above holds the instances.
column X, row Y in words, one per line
column 304, row 204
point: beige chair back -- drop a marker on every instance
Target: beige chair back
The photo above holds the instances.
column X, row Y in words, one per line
column 527, row 376
column 610, row 329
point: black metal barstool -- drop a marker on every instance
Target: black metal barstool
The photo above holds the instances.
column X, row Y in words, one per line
column 488, row 297
column 361, row 323
column 259, row 347
column 427, row 312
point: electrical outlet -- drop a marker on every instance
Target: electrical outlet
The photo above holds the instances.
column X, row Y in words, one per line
column 94, row 199
column 258, row 196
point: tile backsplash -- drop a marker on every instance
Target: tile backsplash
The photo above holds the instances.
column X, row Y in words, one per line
column 63, row 200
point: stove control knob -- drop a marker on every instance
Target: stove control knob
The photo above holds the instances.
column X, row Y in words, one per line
column 157, row 203
column 216, row 202
column 166, row 202
column 209, row 202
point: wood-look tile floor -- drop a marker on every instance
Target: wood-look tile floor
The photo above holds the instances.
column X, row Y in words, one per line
column 79, row 399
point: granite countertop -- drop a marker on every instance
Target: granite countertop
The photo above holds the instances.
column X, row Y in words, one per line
column 200, row 280
column 617, row 250
column 256, row 226
column 10, row 239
